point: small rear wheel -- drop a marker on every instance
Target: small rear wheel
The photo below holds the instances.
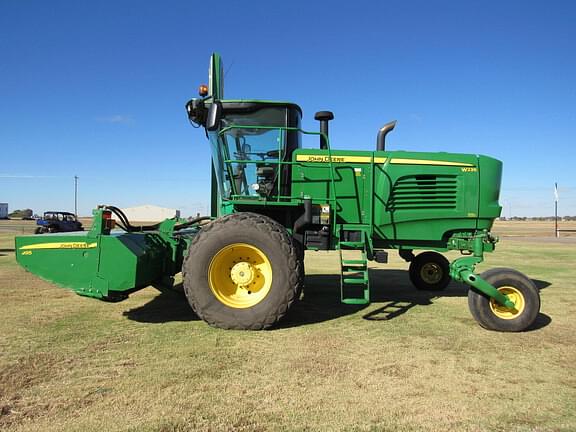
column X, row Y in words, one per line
column 519, row 288
column 429, row 271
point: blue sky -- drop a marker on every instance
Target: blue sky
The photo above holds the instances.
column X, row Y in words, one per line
column 97, row 89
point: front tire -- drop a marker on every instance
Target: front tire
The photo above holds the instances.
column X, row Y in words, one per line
column 519, row 288
column 242, row 272
column 429, row 271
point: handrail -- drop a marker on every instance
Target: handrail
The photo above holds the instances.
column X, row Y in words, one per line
column 280, row 162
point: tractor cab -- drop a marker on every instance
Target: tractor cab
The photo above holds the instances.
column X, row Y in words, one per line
column 250, row 145
column 252, row 141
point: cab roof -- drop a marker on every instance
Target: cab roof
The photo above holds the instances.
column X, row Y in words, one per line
column 249, row 105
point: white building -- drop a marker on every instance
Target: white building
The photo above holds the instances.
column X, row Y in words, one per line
column 3, row 210
column 149, row 213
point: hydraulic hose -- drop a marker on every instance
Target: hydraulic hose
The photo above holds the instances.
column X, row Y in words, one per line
column 191, row 222
column 125, row 224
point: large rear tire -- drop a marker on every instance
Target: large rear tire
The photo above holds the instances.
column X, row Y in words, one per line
column 242, row 272
column 519, row 288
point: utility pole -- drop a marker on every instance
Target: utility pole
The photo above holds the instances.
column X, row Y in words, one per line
column 556, row 233
column 76, row 195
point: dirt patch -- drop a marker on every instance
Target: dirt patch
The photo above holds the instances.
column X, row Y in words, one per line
column 18, row 377
column 23, row 379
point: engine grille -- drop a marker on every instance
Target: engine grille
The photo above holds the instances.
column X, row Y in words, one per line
column 425, row 192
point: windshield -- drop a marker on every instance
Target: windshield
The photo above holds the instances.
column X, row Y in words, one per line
column 247, row 151
column 249, row 157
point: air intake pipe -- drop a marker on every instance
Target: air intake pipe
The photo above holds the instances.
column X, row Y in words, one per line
column 381, row 139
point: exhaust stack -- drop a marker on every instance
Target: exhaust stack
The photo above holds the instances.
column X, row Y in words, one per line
column 381, row 139
column 324, row 117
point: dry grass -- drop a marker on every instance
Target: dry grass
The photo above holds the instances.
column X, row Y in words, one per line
column 533, row 228
column 409, row 361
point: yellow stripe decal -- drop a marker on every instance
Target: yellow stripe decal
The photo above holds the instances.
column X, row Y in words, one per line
column 335, row 159
column 61, row 245
column 368, row 159
column 428, row 162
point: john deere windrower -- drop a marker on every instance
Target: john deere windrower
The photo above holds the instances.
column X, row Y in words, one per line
column 272, row 199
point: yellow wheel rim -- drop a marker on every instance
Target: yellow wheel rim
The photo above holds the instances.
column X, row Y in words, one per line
column 508, row 313
column 431, row 273
column 240, row 275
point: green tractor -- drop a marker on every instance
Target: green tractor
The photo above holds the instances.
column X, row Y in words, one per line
column 272, row 198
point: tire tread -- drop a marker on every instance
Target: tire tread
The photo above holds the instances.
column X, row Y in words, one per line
column 479, row 303
column 270, row 228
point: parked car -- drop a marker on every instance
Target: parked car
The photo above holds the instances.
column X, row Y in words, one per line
column 55, row 221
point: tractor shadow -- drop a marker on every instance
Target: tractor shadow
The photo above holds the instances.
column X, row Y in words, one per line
column 169, row 305
column 391, row 289
column 9, row 250
column 320, row 302
column 394, row 290
column 540, row 284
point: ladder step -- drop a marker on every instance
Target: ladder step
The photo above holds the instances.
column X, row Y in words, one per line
column 355, row 301
column 354, row 262
column 353, row 271
column 353, row 281
column 352, row 245
column 355, row 227
column 354, row 268
column 355, row 275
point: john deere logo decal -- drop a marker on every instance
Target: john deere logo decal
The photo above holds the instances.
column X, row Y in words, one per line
column 60, row 245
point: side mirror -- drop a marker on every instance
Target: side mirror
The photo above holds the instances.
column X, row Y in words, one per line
column 214, row 116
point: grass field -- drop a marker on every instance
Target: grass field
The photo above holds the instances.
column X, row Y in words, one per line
column 408, row 361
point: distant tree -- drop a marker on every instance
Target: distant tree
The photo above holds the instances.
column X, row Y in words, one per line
column 21, row 214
